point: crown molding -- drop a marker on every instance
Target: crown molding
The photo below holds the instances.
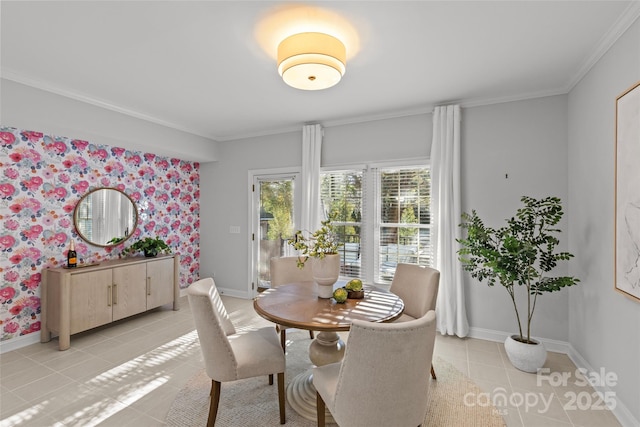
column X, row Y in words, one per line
column 479, row 102
column 380, row 116
column 13, row 76
column 426, row 109
column 258, row 134
column 331, row 123
column 628, row 17
column 631, row 14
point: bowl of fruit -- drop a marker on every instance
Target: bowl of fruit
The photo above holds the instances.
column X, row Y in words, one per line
column 354, row 289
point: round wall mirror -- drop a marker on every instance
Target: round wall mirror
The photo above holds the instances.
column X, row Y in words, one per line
column 105, row 217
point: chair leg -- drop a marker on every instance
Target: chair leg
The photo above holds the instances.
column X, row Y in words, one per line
column 213, row 406
column 270, row 379
column 311, row 335
column 320, row 408
column 283, row 339
column 433, row 373
column 281, row 396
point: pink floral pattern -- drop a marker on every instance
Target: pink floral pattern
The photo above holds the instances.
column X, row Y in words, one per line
column 42, row 177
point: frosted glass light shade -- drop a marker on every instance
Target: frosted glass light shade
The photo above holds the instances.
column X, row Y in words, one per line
column 311, row 61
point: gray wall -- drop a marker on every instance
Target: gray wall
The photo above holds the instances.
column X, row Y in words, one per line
column 224, row 201
column 604, row 326
column 379, row 140
column 34, row 109
column 508, row 151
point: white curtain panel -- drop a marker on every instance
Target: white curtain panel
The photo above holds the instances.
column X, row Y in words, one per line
column 445, row 209
column 311, row 148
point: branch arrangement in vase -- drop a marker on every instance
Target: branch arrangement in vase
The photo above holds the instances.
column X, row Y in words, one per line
column 322, row 242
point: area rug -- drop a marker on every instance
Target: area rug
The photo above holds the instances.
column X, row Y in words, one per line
column 253, row 403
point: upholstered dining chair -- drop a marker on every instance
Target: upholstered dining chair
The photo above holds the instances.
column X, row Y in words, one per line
column 417, row 286
column 383, row 379
column 285, row 270
column 231, row 356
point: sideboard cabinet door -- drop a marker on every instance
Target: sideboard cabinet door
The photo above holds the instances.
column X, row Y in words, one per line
column 160, row 288
column 91, row 300
column 129, row 295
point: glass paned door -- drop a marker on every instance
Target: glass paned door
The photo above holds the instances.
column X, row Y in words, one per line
column 274, row 198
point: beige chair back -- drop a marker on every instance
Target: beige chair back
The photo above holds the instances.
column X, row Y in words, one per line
column 285, row 270
column 384, row 376
column 213, row 325
column 230, row 356
column 417, row 286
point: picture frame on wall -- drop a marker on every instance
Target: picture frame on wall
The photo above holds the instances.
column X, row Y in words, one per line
column 627, row 193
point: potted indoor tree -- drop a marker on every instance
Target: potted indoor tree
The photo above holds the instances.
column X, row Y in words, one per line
column 150, row 247
column 321, row 245
column 518, row 255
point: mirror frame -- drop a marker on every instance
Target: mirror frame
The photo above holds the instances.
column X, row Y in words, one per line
column 87, row 195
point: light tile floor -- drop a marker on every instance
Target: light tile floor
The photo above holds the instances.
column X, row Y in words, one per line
column 128, row 374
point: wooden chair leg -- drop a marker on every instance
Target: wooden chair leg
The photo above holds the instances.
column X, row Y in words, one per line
column 311, row 335
column 433, row 373
column 283, row 339
column 270, row 379
column 281, row 396
column 215, row 400
column 320, row 408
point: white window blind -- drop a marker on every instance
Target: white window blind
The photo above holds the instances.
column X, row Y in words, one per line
column 341, row 193
column 403, row 226
column 383, row 218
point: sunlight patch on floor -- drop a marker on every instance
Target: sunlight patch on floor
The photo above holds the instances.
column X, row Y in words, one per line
column 120, row 377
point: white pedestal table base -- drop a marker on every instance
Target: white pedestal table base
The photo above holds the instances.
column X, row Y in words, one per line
column 326, row 348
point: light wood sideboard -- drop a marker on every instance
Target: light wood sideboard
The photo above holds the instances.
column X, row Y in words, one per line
column 77, row 299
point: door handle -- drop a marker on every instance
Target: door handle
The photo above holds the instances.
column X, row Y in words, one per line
column 148, row 285
column 115, row 294
column 109, row 295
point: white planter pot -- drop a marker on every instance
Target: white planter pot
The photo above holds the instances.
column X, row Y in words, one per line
column 525, row 357
column 324, row 291
column 325, row 273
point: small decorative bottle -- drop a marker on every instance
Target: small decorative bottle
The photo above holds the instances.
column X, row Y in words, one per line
column 72, row 257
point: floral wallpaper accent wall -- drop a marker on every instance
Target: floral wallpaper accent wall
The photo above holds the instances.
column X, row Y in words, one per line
column 42, row 177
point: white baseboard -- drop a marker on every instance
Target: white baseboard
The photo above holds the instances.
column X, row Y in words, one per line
column 621, row 412
column 19, row 342
column 234, row 293
column 500, row 336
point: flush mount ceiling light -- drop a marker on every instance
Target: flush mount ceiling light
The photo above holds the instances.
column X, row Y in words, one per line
column 311, row 61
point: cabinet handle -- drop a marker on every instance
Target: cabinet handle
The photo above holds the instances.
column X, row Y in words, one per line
column 115, row 294
column 148, row 285
column 109, row 295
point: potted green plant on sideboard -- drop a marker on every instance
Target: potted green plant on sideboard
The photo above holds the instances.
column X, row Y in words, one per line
column 518, row 255
column 149, row 246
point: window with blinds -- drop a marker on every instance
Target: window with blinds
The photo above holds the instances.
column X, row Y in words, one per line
column 341, row 193
column 383, row 218
column 403, row 229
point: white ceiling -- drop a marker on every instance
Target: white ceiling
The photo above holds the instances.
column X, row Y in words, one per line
column 208, row 67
